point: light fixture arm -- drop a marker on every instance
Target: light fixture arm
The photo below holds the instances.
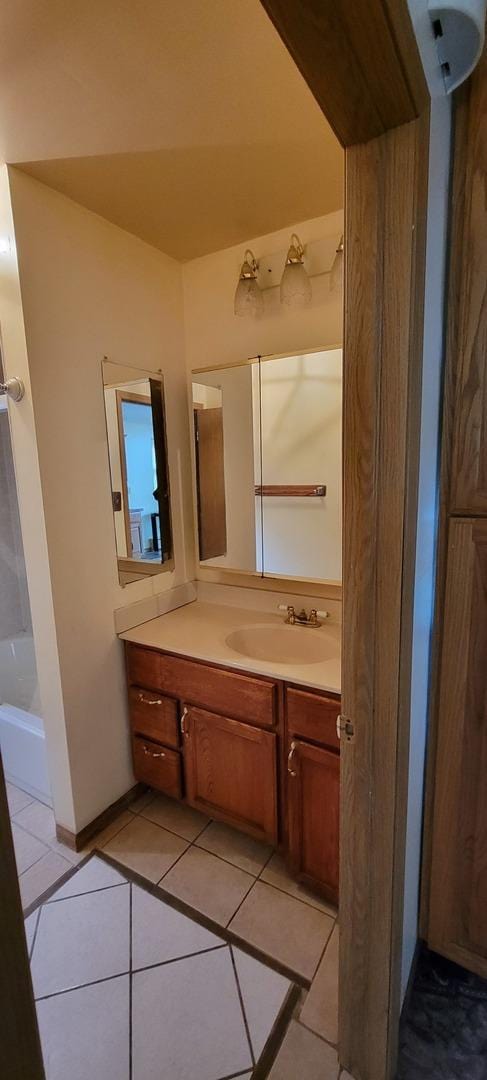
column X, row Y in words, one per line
column 296, row 251
column 13, row 388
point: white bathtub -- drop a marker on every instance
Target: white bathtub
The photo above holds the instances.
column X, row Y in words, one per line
column 22, row 738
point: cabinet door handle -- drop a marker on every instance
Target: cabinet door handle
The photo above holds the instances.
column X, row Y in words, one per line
column 182, row 724
column 152, row 753
column 290, row 759
column 149, row 701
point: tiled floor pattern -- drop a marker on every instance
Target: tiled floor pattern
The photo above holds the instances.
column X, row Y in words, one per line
column 127, row 986
column 240, row 884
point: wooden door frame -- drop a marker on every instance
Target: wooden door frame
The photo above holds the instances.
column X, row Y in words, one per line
column 362, row 64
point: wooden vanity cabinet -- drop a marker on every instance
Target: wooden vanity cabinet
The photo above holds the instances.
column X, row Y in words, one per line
column 248, row 750
column 313, row 788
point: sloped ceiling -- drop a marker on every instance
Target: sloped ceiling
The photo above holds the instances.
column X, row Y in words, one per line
column 186, row 123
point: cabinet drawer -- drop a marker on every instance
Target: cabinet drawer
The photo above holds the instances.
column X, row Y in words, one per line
column 154, row 716
column 238, row 696
column 157, row 766
column 313, row 717
column 143, row 666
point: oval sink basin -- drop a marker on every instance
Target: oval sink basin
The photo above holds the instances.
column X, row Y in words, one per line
column 282, row 644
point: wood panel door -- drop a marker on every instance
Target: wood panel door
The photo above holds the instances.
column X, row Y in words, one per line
column 210, row 482
column 458, row 900
column 468, row 305
column 230, row 771
column 313, row 785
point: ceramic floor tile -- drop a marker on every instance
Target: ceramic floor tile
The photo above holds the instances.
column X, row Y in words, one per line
column 276, row 873
column 208, row 884
column 284, row 928
column 38, row 819
column 39, row 877
column 28, row 849
column 85, row 1032
column 30, row 926
column 263, row 994
column 146, row 848
column 303, row 1054
column 17, row 799
column 175, row 816
column 80, row 940
column 159, row 933
column 187, row 1015
column 97, row 874
column 320, row 1009
column 236, row 847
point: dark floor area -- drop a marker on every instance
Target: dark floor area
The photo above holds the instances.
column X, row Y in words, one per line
column 444, row 1026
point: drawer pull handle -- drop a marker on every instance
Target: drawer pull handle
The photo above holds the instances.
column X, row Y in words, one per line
column 149, row 701
column 290, row 759
column 152, row 753
column 182, row 721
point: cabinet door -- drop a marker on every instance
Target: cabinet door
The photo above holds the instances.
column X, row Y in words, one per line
column 313, row 785
column 458, row 902
column 230, row 771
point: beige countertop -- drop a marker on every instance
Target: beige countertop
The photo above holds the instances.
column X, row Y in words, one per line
column 200, row 630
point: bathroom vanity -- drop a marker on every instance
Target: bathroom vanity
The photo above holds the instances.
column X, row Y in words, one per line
column 254, row 750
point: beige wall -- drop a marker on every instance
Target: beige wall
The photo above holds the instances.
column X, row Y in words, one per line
column 216, row 337
column 91, row 290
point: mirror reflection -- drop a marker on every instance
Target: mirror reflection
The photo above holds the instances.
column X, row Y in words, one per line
column 268, row 465
column 227, row 457
column 134, row 413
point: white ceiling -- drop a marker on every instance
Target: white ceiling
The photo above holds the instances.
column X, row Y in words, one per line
column 186, row 123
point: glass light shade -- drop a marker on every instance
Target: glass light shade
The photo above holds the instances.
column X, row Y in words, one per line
column 336, row 275
column 248, row 297
column 295, row 285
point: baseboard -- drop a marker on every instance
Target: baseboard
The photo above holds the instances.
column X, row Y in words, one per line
column 77, row 841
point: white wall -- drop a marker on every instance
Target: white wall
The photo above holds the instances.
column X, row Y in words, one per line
column 216, row 337
column 302, row 444
column 439, row 166
column 91, row 290
column 26, row 462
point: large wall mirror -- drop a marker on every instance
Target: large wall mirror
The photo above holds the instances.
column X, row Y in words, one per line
column 137, row 451
column 268, row 460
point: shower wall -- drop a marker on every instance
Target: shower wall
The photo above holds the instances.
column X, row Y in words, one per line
column 14, row 600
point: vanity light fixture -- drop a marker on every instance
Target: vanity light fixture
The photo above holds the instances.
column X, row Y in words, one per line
column 248, row 296
column 336, row 273
column 295, row 283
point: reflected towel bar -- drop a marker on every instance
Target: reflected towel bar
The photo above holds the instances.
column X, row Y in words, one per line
column 308, row 490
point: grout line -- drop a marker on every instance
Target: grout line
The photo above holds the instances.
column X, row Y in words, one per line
column 242, row 1006
column 176, row 959
column 298, row 898
column 35, row 863
column 322, row 954
column 86, row 892
column 130, row 981
column 317, row 1033
column 237, row 909
column 46, row 894
column 82, row 986
column 34, row 936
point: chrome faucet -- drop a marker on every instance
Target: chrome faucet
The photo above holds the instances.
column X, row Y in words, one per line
column 301, row 618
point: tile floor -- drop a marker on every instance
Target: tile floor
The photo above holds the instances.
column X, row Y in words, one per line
column 239, row 884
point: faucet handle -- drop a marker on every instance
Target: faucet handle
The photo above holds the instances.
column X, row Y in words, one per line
column 285, row 607
column 323, row 614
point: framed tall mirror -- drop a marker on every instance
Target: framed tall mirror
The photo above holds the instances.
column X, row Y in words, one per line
column 268, row 462
column 137, row 453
